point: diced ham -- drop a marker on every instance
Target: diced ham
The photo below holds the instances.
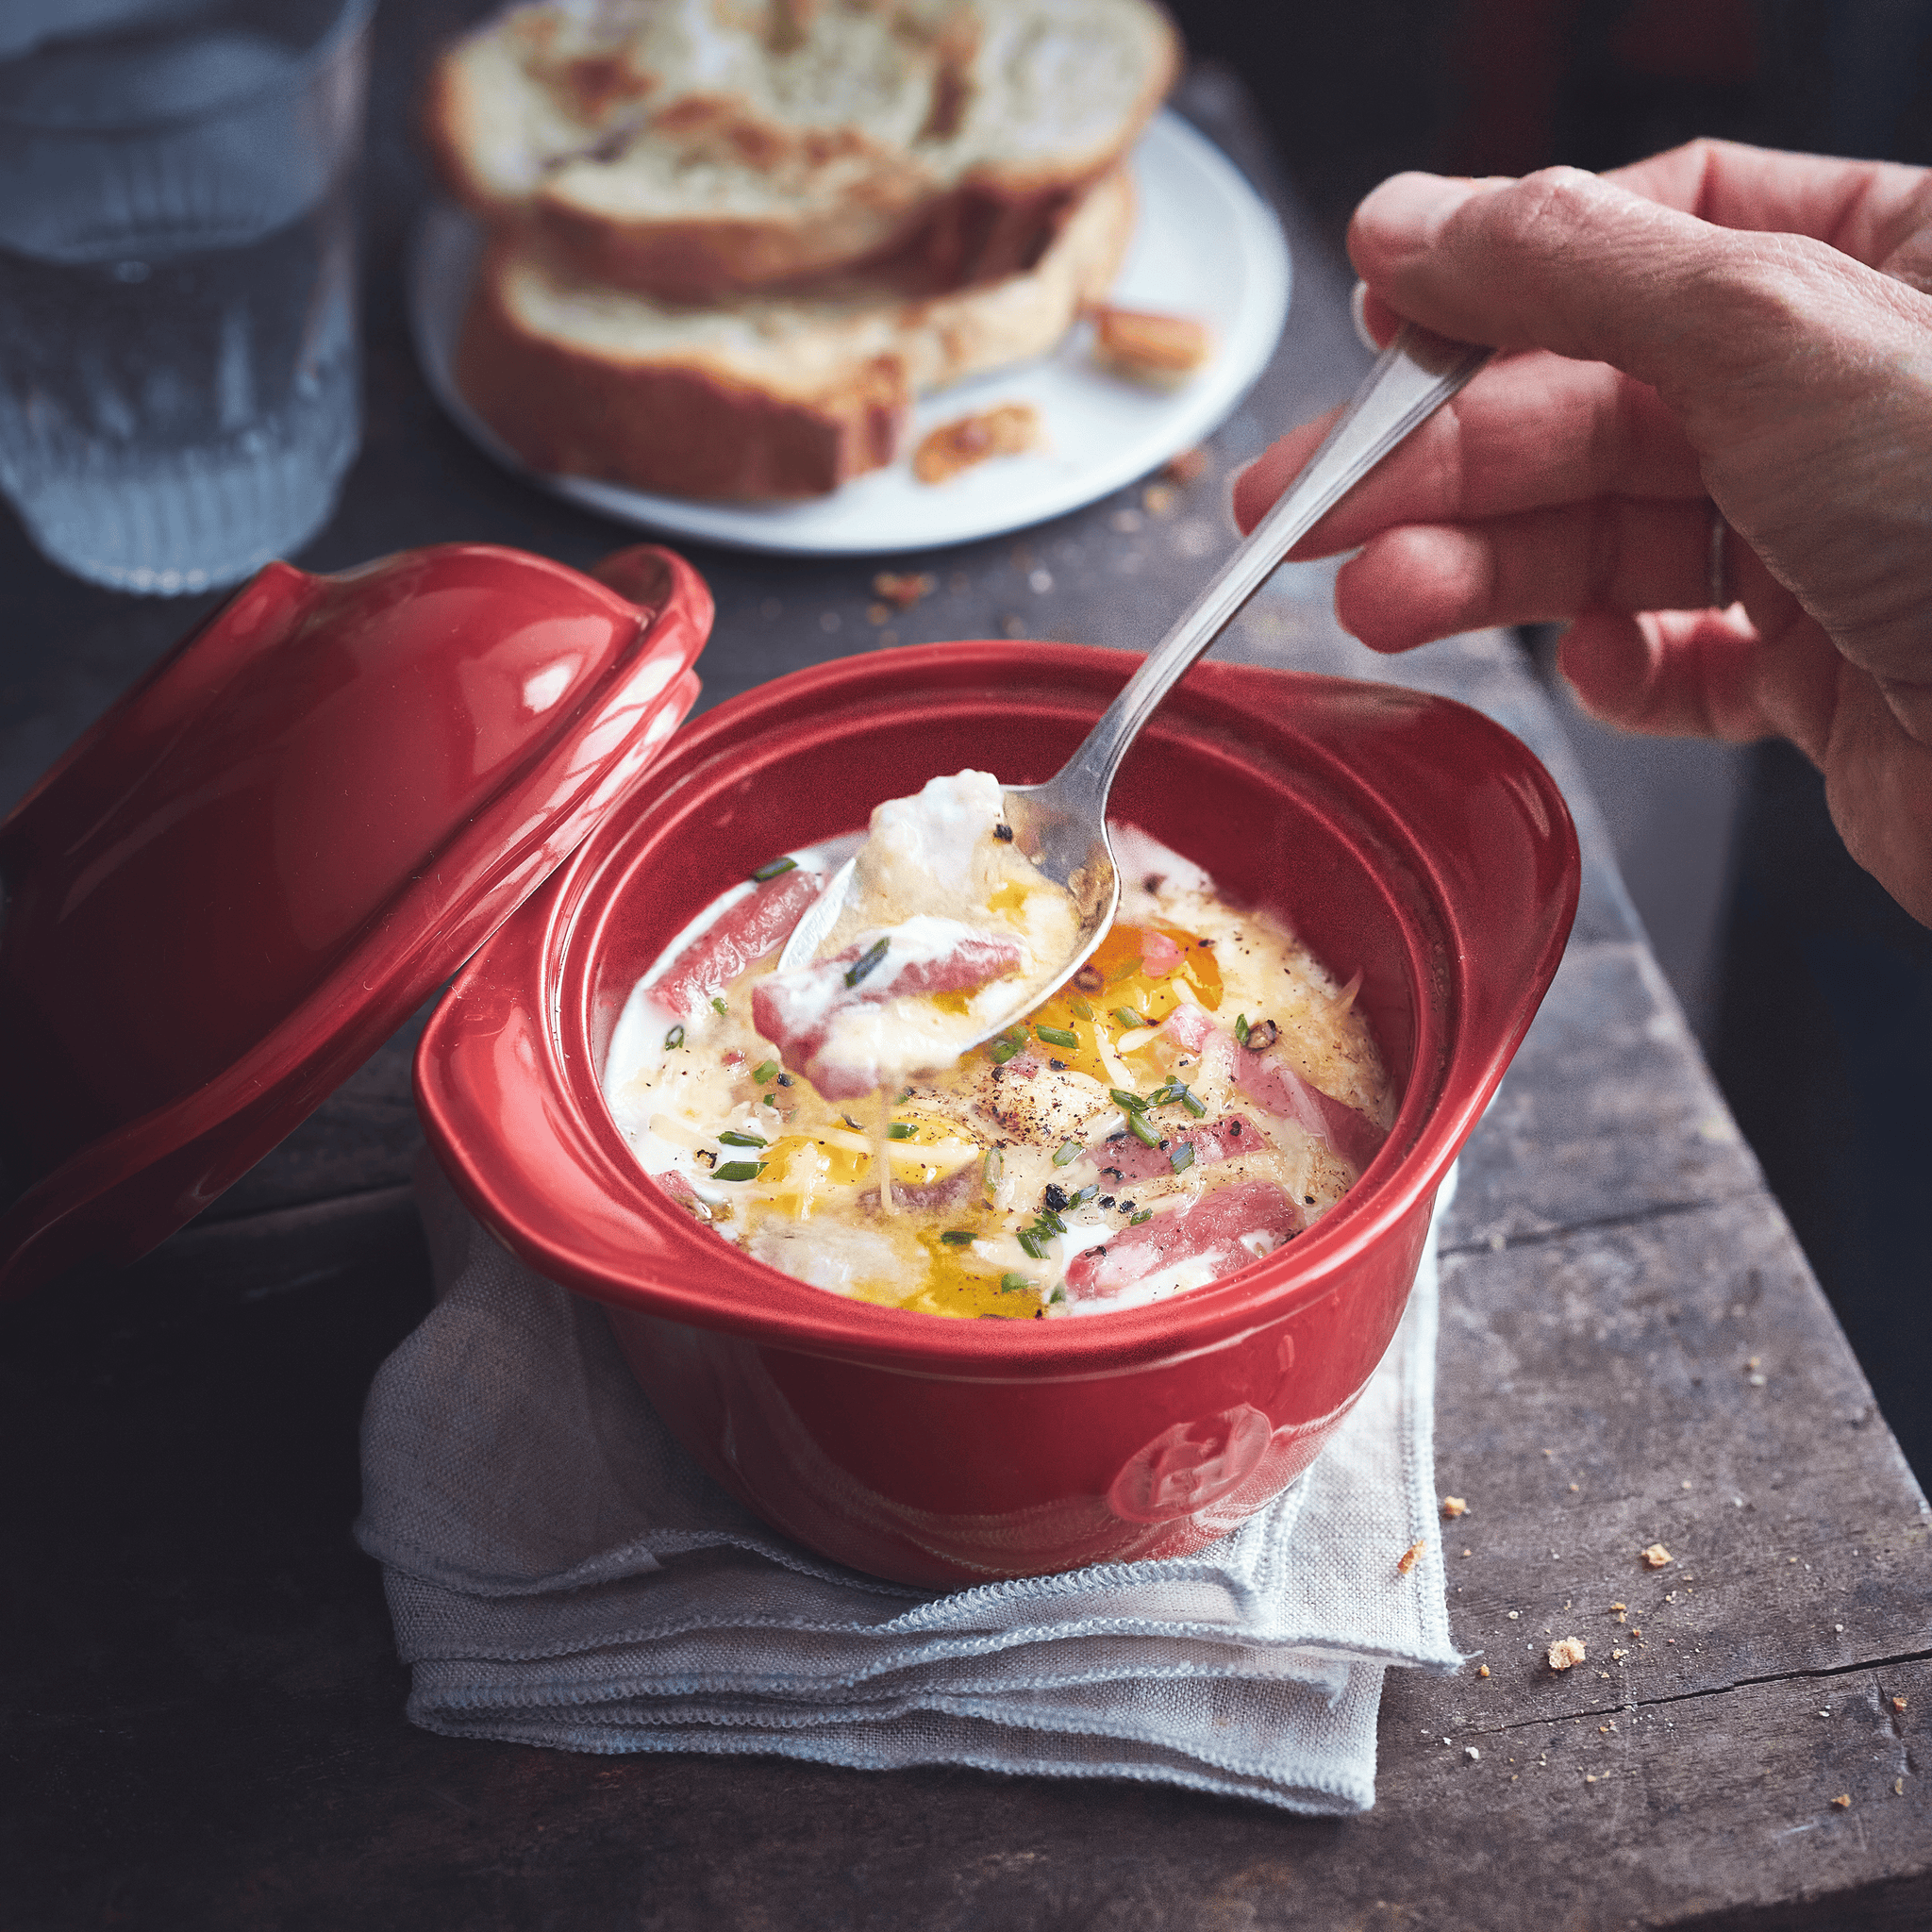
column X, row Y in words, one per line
column 1275, row 1086
column 682, row 1193
column 1209, row 1229
column 799, row 1012
column 761, row 919
column 1128, row 1160
column 1188, row 1027
column 953, row 1190
column 1159, row 956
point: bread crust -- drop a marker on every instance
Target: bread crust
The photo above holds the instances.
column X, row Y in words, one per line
column 682, row 428
column 661, row 409
column 991, row 219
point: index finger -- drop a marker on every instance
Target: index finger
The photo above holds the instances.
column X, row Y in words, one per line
column 1863, row 209
column 1531, row 432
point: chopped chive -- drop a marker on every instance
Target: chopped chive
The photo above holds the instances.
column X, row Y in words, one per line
column 1060, row 1294
column 956, row 1237
column 1011, row 1284
column 1132, row 1101
column 1001, row 1051
column 989, row 1168
column 772, row 870
column 1051, row 1222
column 1080, row 1009
column 769, row 1100
column 734, row 1139
column 763, row 1071
column 1058, row 1036
column 1142, row 1131
column 866, row 961
column 1181, row 1157
column 852, row 1123
column 719, row 1005
column 1135, row 1220
column 1086, row 1195
column 1128, row 1017
column 1016, row 1033
column 738, row 1170
column 674, row 1038
column 901, row 1130
column 1197, row 1107
column 1029, row 1243
column 1070, row 1151
column 1241, row 1027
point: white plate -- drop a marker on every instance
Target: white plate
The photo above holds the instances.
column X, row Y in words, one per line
column 1205, row 245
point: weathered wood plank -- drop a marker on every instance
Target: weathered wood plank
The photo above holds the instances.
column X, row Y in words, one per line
column 1597, row 1397
column 1661, row 1815
column 1606, row 1112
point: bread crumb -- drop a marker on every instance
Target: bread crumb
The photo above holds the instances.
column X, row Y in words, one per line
column 1470, row 1752
column 1589, row 1778
column 903, row 589
column 1158, row 498
column 1574, row 1487
column 1898, row 1787
column 1144, row 347
column 1008, row 429
column 1617, row 1657
column 1843, row 1801
column 1185, row 466
column 1618, row 1610
column 1453, row 1507
column 1898, row 1703
column 1656, row 1556
column 1409, row 1557
column 1566, row 1651
column 1482, row 1670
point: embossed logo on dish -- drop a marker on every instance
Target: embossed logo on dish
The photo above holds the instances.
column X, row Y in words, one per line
column 1189, row 1466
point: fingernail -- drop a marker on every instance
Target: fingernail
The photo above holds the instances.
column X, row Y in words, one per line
column 1359, row 314
column 1414, row 207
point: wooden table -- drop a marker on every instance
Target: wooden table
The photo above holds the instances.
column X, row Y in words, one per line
column 203, row 1721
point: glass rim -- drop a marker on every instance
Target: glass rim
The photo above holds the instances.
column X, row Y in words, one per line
column 351, row 19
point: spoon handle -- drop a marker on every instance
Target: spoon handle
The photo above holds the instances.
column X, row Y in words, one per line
column 1417, row 372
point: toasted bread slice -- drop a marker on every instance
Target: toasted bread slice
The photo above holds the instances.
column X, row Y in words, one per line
column 696, row 148
column 763, row 397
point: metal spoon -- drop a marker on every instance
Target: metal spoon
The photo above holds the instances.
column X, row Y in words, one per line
column 1061, row 826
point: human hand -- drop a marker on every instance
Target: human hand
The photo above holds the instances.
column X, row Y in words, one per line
column 1719, row 324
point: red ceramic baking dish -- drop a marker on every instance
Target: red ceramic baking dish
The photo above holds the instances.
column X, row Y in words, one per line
column 1401, row 834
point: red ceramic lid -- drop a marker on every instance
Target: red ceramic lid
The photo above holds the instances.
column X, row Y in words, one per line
column 280, row 842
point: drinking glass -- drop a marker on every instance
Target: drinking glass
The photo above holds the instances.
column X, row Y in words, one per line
column 180, row 371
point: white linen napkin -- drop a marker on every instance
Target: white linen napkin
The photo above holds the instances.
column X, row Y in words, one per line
column 560, row 1572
